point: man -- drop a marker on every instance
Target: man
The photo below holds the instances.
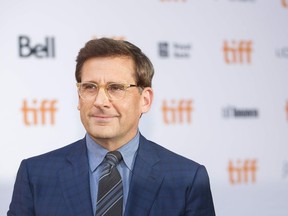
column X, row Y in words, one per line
column 114, row 86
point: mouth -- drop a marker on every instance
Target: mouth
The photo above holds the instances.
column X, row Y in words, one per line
column 102, row 118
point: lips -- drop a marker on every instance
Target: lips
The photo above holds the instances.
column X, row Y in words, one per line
column 102, row 118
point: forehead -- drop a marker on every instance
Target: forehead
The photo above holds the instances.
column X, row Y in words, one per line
column 108, row 69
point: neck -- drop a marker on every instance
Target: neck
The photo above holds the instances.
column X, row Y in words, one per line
column 112, row 144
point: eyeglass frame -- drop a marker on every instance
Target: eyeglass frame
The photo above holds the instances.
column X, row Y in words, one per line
column 126, row 86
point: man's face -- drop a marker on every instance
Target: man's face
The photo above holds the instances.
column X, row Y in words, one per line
column 112, row 122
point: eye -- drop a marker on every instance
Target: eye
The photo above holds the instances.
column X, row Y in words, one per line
column 88, row 86
column 113, row 87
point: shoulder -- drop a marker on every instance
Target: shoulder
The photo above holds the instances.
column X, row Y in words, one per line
column 168, row 157
column 58, row 155
column 174, row 167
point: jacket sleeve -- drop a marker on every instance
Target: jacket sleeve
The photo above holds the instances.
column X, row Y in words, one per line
column 199, row 199
column 22, row 198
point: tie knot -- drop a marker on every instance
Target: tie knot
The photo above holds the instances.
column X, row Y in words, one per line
column 113, row 157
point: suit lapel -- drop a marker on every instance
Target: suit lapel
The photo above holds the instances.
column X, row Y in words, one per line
column 74, row 180
column 146, row 180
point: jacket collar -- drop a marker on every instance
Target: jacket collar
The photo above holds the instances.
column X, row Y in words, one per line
column 145, row 182
column 74, row 180
column 146, row 179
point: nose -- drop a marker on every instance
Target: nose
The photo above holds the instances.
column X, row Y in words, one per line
column 101, row 98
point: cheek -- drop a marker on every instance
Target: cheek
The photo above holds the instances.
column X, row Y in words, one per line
column 79, row 103
column 134, row 108
column 129, row 108
column 82, row 107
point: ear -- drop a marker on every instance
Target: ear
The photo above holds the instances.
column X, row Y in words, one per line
column 146, row 99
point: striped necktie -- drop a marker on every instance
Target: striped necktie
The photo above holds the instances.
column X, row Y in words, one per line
column 110, row 188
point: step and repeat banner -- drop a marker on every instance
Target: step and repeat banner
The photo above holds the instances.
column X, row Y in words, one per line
column 221, row 87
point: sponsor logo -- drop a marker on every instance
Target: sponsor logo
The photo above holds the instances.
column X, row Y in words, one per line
column 163, row 49
column 177, row 111
column 242, row 171
column 282, row 52
column 237, row 52
column 175, row 50
column 233, row 112
column 46, row 49
column 39, row 112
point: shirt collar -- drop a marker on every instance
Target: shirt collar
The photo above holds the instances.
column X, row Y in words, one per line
column 96, row 152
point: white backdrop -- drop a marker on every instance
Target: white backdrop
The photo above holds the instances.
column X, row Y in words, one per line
column 221, row 87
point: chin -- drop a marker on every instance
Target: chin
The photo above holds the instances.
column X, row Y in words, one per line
column 102, row 134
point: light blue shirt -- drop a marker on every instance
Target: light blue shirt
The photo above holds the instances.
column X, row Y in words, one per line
column 96, row 154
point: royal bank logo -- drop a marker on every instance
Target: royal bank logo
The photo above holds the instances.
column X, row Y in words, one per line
column 234, row 112
column 282, row 52
column 163, row 49
column 238, row 52
column 39, row 112
column 175, row 50
column 43, row 49
column 242, row 171
column 177, row 111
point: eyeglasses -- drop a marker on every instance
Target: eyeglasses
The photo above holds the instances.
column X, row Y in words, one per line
column 114, row 91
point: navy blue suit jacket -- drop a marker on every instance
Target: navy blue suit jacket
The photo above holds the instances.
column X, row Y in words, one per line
column 162, row 183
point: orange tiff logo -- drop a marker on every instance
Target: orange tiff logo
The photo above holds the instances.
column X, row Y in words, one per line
column 177, row 112
column 242, row 171
column 237, row 52
column 285, row 3
column 39, row 112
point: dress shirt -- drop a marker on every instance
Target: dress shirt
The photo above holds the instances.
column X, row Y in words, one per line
column 96, row 154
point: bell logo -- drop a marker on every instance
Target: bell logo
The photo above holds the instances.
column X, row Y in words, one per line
column 177, row 112
column 39, row 112
column 285, row 3
column 237, row 52
column 242, row 171
column 45, row 50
